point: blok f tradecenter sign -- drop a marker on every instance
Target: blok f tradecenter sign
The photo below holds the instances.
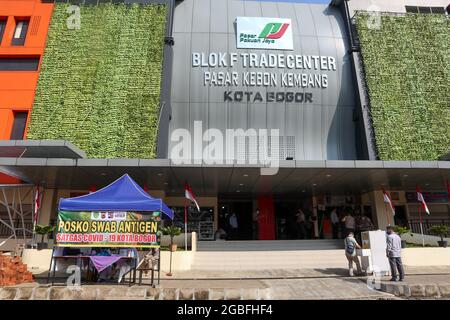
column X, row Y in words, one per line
column 264, row 33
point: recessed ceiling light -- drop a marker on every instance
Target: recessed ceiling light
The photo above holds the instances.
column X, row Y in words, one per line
column 160, row 174
column 405, row 176
column 166, row 183
column 241, row 184
column 314, row 184
column 245, row 175
column 238, row 190
column 328, row 175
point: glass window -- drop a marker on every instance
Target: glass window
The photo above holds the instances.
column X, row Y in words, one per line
column 20, row 32
column 18, row 129
column 2, row 28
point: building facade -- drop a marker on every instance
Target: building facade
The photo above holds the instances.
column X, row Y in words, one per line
column 338, row 103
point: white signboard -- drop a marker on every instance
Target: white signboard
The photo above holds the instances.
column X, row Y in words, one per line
column 264, row 33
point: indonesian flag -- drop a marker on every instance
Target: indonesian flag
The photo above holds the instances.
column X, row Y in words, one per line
column 190, row 195
column 448, row 187
column 37, row 203
column 388, row 201
column 422, row 200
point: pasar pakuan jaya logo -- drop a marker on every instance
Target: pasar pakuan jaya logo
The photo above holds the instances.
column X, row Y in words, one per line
column 264, row 33
column 274, row 30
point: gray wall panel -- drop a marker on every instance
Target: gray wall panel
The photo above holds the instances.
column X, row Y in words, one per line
column 305, row 20
column 252, row 9
column 322, row 130
column 198, row 93
column 322, row 20
column 219, row 22
column 201, row 16
column 182, row 19
column 269, row 9
column 312, row 132
column 181, row 67
column 235, row 9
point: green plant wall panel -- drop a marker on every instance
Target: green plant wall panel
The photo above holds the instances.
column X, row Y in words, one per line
column 407, row 66
column 99, row 85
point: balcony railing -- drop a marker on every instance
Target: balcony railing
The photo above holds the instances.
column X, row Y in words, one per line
column 414, row 224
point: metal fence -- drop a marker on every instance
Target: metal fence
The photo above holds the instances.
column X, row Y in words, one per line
column 5, row 231
column 414, row 224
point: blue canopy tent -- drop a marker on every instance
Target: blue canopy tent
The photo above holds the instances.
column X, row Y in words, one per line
column 124, row 194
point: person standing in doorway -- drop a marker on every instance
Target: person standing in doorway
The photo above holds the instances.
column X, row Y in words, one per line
column 301, row 224
column 233, row 226
column 255, row 225
column 350, row 253
column 365, row 224
column 334, row 223
column 349, row 223
column 394, row 254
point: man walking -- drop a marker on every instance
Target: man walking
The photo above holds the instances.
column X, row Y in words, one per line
column 350, row 252
column 394, row 253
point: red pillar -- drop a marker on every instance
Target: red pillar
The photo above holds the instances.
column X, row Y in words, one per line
column 266, row 218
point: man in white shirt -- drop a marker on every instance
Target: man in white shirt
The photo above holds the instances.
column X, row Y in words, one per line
column 334, row 223
column 349, row 222
column 394, row 254
column 233, row 225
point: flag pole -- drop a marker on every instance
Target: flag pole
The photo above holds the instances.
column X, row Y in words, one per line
column 387, row 214
column 421, row 226
column 185, row 225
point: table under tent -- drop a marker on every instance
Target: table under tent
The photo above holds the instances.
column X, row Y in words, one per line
column 102, row 231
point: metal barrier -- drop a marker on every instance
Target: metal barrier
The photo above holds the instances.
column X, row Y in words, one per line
column 414, row 224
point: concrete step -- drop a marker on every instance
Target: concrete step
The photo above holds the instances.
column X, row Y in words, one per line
column 260, row 260
column 270, row 245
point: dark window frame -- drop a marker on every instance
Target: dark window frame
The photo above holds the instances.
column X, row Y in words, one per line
column 19, row 125
column 23, row 33
column 412, row 9
column 19, row 63
column 3, row 23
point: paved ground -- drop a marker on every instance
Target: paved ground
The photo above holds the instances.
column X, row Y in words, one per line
column 423, row 282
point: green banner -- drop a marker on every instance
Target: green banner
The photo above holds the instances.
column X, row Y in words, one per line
column 108, row 229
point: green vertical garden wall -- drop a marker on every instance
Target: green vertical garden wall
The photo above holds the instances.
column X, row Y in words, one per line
column 99, row 85
column 407, row 66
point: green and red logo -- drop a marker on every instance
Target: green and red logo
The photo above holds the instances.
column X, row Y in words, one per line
column 274, row 30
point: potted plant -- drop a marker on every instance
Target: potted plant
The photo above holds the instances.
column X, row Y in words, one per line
column 43, row 230
column 442, row 231
column 401, row 230
column 172, row 232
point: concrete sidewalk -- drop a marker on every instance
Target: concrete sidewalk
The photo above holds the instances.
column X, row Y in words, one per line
column 297, row 284
column 419, row 286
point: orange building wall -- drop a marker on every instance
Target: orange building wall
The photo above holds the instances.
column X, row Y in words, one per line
column 17, row 88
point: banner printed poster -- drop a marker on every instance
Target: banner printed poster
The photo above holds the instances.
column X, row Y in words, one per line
column 108, row 229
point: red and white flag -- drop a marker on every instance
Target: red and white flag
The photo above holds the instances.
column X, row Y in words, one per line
column 190, row 195
column 37, row 203
column 388, row 201
column 422, row 200
column 448, row 190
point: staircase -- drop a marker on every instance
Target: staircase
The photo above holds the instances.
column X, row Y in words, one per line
column 269, row 255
